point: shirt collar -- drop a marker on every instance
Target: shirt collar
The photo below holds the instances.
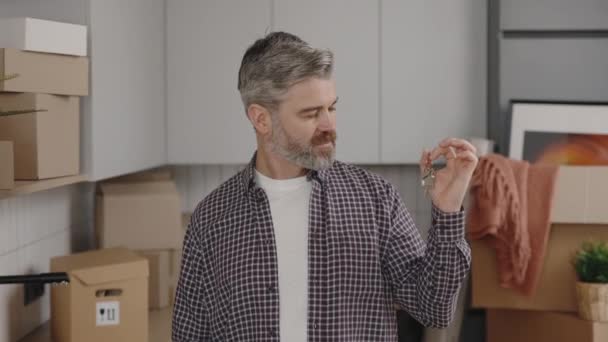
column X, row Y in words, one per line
column 248, row 175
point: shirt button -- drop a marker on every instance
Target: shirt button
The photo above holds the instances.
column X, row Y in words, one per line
column 271, row 289
column 272, row 332
column 315, row 325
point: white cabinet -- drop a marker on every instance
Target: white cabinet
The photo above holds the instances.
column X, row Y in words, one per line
column 206, row 40
column 408, row 73
column 559, row 15
column 123, row 119
column 125, row 114
column 433, row 71
column 164, row 75
column 350, row 29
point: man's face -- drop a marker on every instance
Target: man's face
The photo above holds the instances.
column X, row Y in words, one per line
column 304, row 126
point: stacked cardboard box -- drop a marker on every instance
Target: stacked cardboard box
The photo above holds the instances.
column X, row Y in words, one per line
column 43, row 72
column 106, row 299
column 143, row 213
column 164, row 272
column 542, row 326
column 579, row 213
column 7, row 179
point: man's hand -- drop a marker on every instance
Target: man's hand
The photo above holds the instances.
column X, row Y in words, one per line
column 452, row 182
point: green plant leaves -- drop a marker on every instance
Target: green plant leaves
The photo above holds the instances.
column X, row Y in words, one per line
column 591, row 262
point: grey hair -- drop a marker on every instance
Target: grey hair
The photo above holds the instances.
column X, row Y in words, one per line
column 276, row 62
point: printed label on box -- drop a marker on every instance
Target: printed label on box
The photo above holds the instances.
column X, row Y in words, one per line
column 108, row 313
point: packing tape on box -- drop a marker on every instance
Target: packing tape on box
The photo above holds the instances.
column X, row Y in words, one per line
column 20, row 111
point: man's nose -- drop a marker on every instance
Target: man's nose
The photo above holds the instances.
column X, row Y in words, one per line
column 327, row 121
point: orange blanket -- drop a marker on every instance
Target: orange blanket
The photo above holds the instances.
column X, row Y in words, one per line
column 511, row 204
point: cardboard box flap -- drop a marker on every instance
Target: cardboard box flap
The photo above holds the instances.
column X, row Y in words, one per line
column 110, row 273
column 580, row 195
column 139, row 188
column 102, row 265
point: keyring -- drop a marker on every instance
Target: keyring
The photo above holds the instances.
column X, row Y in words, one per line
column 428, row 179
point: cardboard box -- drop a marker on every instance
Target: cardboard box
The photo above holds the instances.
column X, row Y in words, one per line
column 539, row 326
column 175, row 271
column 139, row 215
column 579, row 213
column 106, row 299
column 7, row 179
column 36, row 72
column 43, row 36
column 47, row 143
column 164, row 268
column 580, row 195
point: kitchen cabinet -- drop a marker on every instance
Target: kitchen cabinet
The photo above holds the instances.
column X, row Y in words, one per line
column 408, row 73
column 433, row 72
column 206, row 40
column 350, row 28
column 164, row 75
column 125, row 114
column 553, row 15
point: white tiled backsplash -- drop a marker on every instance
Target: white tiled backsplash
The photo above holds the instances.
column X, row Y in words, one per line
column 196, row 182
column 36, row 227
column 33, row 229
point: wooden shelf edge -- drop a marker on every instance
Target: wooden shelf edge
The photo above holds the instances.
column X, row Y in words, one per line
column 28, row 187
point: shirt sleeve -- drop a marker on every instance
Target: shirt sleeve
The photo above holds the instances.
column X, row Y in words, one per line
column 426, row 277
column 190, row 317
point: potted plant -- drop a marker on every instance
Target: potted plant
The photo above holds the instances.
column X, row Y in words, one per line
column 591, row 266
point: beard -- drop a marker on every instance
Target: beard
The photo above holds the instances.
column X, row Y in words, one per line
column 303, row 153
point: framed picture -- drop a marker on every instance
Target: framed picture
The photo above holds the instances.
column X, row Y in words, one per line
column 559, row 133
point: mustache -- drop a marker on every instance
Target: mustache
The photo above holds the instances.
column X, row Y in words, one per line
column 324, row 138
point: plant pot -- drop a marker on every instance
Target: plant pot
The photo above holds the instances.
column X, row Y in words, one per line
column 592, row 301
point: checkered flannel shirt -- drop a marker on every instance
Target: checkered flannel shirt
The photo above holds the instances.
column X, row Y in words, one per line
column 365, row 255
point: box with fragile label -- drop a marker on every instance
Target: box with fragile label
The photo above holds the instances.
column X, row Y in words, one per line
column 579, row 213
column 45, row 130
column 106, row 299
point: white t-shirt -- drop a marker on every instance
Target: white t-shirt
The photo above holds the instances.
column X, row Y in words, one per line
column 289, row 202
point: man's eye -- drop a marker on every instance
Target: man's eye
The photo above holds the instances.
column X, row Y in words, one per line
column 332, row 109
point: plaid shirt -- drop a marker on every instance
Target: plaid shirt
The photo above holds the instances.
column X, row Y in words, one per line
column 365, row 255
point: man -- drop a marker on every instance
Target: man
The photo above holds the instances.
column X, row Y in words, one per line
column 299, row 247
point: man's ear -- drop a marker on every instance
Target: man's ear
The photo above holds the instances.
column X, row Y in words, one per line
column 260, row 118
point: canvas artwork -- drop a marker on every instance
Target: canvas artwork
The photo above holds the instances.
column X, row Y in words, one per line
column 565, row 148
column 560, row 133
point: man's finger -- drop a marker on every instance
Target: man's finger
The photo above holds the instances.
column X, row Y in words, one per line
column 467, row 155
column 460, row 144
column 447, row 152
